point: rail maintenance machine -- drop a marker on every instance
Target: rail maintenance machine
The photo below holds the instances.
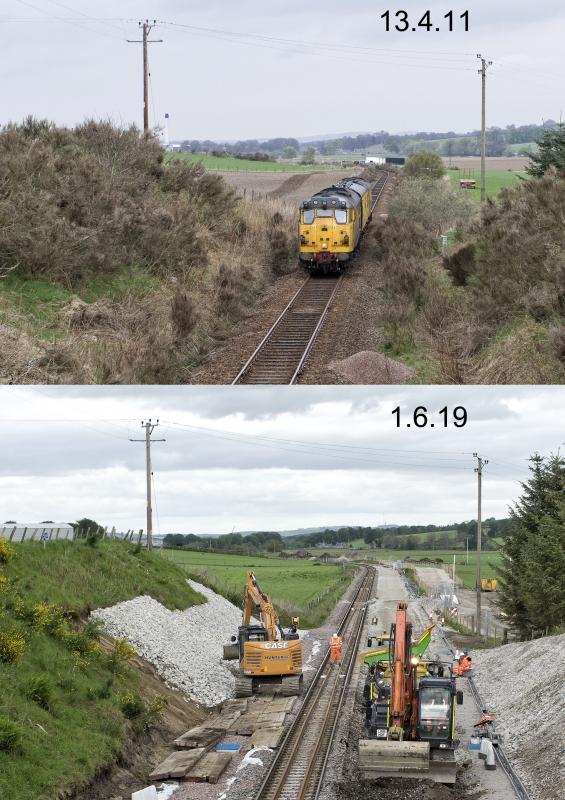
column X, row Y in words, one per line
column 409, row 713
column 270, row 657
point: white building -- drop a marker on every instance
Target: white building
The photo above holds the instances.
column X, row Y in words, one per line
column 36, row 531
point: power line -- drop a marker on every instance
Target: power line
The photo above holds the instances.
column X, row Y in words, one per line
column 69, row 21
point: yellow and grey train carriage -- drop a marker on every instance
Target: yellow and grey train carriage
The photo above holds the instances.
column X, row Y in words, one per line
column 331, row 224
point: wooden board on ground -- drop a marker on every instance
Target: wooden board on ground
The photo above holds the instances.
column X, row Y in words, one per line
column 235, row 704
column 210, row 767
column 275, row 703
column 247, row 724
column 177, row 765
column 267, row 737
column 201, row 736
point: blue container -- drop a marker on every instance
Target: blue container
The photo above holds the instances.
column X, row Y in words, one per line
column 474, row 743
column 233, row 747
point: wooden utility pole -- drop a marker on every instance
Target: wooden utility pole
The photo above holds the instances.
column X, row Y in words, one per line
column 149, row 428
column 483, row 73
column 146, row 28
column 479, row 470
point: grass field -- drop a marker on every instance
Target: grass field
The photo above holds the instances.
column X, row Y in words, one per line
column 463, row 570
column 62, row 712
column 296, row 587
column 231, row 164
column 495, row 181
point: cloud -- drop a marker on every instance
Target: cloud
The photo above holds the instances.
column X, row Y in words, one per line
column 220, row 86
column 278, row 458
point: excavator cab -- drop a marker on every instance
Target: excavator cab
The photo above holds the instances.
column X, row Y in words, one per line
column 436, row 712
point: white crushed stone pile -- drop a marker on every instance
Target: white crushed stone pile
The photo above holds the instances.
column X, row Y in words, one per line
column 186, row 647
column 371, row 367
column 523, row 683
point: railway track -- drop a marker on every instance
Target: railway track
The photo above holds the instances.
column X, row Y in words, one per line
column 282, row 353
column 298, row 768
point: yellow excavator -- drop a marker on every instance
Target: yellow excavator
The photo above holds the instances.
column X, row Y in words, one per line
column 270, row 658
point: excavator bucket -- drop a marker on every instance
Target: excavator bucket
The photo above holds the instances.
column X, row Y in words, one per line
column 392, row 759
column 418, row 649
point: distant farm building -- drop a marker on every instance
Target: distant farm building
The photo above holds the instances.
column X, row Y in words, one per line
column 36, row 531
column 468, row 183
column 399, row 161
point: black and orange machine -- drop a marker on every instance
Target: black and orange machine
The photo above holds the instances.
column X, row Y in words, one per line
column 409, row 713
column 270, row 657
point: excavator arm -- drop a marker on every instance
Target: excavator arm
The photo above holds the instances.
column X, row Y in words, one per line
column 254, row 597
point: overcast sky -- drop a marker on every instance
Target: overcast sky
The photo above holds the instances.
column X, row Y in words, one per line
column 267, row 458
column 351, row 75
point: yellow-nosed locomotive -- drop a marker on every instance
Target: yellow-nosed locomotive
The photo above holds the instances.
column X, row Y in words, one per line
column 331, row 224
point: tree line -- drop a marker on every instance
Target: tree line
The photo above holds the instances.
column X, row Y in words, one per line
column 400, row 537
column 447, row 143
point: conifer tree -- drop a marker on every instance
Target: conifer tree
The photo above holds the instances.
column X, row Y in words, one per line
column 533, row 555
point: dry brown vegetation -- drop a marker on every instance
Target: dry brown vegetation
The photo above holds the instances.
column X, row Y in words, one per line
column 493, row 309
column 119, row 268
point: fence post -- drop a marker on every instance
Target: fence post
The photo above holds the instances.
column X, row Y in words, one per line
column 139, row 535
column 495, row 635
column 505, row 635
column 13, row 532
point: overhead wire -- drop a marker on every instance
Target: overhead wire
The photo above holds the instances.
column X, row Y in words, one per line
column 69, row 21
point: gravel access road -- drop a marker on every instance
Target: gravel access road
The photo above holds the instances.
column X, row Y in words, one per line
column 473, row 781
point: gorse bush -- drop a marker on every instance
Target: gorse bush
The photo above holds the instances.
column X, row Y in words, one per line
column 6, row 552
column 89, row 200
column 12, row 644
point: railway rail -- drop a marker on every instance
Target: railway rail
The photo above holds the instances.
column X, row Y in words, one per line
column 281, row 355
column 298, row 769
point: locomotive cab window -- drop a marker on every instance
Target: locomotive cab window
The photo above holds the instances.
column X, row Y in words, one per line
column 341, row 216
column 324, row 212
column 308, row 216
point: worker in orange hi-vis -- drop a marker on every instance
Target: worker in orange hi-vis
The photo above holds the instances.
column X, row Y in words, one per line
column 335, row 649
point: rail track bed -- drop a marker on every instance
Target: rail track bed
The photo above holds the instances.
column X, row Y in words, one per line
column 298, row 769
column 281, row 355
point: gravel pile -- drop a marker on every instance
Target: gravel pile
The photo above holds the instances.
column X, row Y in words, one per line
column 523, row 684
column 370, row 367
column 185, row 647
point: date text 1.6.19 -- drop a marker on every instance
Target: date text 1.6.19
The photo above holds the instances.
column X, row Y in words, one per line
column 400, row 21
column 422, row 418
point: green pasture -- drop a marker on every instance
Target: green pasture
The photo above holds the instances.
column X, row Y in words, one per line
column 495, row 180
column 231, row 164
column 300, row 588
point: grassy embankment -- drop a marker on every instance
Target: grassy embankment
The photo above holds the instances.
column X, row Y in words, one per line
column 121, row 268
column 300, row 588
column 67, row 707
column 232, row 164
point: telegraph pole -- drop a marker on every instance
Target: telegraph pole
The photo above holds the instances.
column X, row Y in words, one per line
column 149, row 428
column 483, row 73
column 479, row 470
column 146, row 28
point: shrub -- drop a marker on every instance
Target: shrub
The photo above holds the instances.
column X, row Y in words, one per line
column 131, row 705
column 40, row 615
column 12, row 645
column 10, row 735
column 155, row 708
column 39, row 690
column 6, row 552
column 5, row 584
